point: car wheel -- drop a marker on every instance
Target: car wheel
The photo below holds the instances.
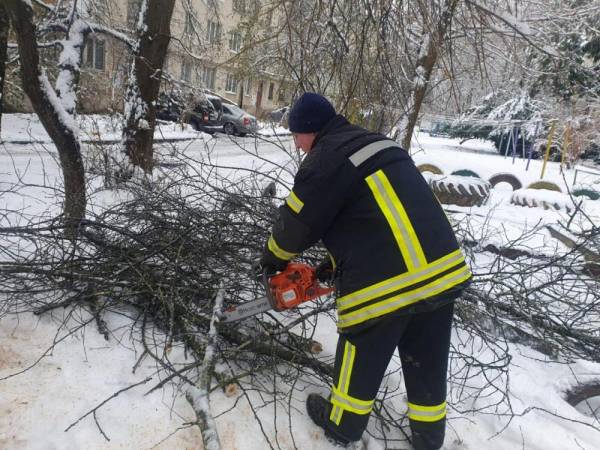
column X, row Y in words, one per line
column 229, row 128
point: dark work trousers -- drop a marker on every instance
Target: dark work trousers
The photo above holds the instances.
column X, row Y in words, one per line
column 423, row 341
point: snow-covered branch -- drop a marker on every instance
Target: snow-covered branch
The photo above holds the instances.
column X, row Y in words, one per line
column 199, row 395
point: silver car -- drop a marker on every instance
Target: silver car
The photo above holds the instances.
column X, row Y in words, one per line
column 237, row 121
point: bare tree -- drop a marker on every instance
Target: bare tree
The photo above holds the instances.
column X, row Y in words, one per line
column 432, row 39
column 153, row 32
column 4, row 27
column 57, row 122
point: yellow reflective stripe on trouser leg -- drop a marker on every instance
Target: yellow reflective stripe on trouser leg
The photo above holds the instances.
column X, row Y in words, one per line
column 352, row 404
column 343, row 380
column 397, row 218
column 422, row 413
column 278, row 251
column 294, row 202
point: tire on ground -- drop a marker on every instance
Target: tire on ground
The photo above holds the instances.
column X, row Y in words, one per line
column 518, row 198
column 461, row 191
column 548, row 185
column 465, row 173
column 506, row 178
column 430, row 168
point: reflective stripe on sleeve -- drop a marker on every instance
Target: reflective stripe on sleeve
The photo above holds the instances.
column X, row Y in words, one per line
column 422, row 413
column 372, row 149
column 294, row 202
column 278, row 251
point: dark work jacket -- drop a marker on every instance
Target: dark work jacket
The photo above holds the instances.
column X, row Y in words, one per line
column 393, row 247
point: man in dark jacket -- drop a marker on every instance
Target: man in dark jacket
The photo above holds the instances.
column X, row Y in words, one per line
column 396, row 262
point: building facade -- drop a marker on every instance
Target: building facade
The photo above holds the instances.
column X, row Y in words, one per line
column 212, row 49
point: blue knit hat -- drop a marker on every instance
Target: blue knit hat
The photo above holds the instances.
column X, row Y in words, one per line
column 310, row 113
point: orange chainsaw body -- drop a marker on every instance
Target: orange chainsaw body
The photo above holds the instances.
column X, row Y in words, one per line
column 295, row 285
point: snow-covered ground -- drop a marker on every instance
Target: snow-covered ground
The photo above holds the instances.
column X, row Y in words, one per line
column 37, row 405
column 26, row 128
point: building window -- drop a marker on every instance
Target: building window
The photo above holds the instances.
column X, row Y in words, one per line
column 235, row 42
column 231, row 83
column 213, row 32
column 239, row 6
column 281, row 94
column 186, row 71
column 207, row 77
column 271, row 89
column 247, row 86
column 189, row 22
column 95, row 54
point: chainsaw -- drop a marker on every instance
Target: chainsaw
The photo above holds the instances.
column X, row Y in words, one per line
column 297, row 284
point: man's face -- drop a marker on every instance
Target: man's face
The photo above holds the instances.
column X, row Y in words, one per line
column 304, row 141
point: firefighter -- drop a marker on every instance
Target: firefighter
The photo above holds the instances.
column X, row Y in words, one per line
column 396, row 265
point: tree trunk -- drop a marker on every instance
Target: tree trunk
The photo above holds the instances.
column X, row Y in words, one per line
column 58, row 124
column 154, row 34
column 428, row 56
column 69, row 63
column 4, row 26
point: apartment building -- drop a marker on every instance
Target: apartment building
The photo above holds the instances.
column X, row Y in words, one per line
column 212, row 47
column 208, row 50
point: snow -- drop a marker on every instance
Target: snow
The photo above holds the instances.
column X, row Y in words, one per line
column 515, row 23
column 37, row 405
column 25, row 128
column 270, row 130
column 65, row 118
column 69, row 61
column 551, row 199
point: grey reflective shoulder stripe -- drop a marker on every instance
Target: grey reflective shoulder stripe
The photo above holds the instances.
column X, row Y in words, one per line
column 371, row 149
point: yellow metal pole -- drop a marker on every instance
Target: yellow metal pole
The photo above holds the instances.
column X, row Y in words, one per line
column 567, row 139
column 548, row 144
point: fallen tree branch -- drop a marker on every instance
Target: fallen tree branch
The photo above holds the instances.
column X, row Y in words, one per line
column 199, row 395
column 104, row 402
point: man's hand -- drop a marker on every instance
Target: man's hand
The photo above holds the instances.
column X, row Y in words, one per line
column 324, row 271
column 259, row 268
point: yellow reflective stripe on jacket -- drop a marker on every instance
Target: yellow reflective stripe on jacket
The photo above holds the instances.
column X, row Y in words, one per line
column 422, row 413
column 400, row 281
column 343, row 380
column 333, row 263
column 278, row 251
column 394, row 212
column 294, row 202
column 404, row 299
column 352, row 404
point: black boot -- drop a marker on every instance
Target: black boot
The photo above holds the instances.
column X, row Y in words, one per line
column 318, row 410
column 428, row 435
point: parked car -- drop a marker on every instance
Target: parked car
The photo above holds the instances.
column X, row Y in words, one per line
column 207, row 115
column 237, row 121
column 277, row 115
column 203, row 115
